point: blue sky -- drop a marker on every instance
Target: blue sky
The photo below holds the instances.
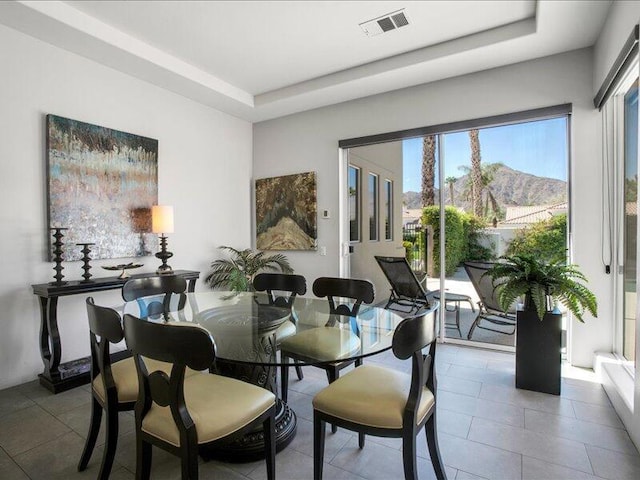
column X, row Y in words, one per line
column 538, row 148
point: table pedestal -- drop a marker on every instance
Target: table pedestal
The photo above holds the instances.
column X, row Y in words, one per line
column 250, row 447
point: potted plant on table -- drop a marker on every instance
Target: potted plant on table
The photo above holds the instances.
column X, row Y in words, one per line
column 236, row 273
column 539, row 323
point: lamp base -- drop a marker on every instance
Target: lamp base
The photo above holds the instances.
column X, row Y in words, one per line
column 164, row 255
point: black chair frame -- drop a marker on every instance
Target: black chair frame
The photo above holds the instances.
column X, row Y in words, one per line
column 488, row 306
column 183, row 346
column 105, row 328
column 166, row 285
column 362, row 291
column 410, row 338
column 282, row 282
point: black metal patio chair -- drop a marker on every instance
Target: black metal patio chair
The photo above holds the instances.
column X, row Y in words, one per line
column 489, row 308
column 409, row 296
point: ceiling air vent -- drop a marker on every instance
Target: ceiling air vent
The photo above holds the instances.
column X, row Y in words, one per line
column 385, row 23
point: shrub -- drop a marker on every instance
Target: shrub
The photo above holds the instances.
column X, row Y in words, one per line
column 545, row 240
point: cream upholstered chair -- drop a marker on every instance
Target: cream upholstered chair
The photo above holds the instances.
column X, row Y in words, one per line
column 180, row 414
column 114, row 386
column 328, row 342
column 383, row 402
column 294, row 285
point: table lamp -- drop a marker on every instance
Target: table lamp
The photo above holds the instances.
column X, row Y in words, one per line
column 162, row 223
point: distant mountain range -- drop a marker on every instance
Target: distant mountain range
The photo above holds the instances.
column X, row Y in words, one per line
column 510, row 188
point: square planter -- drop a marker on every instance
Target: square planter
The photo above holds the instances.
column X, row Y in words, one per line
column 538, row 351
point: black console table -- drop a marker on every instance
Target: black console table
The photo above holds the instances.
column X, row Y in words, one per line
column 59, row 377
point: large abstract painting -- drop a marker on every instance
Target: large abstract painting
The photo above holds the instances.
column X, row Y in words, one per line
column 101, row 186
column 287, row 212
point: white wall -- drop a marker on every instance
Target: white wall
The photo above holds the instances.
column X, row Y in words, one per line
column 384, row 160
column 623, row 390
column 309, row 141
column 205, row 162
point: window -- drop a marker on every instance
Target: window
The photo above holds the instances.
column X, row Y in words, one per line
column 388, row 210
column 373, row 207
column 630, row 214
column 354, row 204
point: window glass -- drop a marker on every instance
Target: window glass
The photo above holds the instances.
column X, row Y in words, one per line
column 388, row 210
column 354, row 204
column 373, row 207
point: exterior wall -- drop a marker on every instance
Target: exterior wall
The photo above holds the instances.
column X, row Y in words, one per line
column 309, row 141
column 204, row 172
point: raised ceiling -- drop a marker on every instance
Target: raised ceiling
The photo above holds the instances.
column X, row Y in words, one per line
column 260, row 60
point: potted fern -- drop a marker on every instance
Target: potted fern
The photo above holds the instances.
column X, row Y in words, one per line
column 236, row 272
column 542, row 286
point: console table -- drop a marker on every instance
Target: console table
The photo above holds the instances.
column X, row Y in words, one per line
column 58, row 377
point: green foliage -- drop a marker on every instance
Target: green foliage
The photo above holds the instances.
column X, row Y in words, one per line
column 462, row 237
column 546, row 239
column 236, row 273
column 537, row 280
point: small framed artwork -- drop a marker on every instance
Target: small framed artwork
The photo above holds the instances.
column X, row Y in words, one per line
column 101, row 184
column 287, row 212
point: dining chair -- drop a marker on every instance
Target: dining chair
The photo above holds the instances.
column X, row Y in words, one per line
column 294, row 285
column 383, row 402
column 180, row 413
column 161, row 288
column 114, row 386
column 319, row 344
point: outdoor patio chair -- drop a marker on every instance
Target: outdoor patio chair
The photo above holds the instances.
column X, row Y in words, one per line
column 488, row 307
column 409, row 296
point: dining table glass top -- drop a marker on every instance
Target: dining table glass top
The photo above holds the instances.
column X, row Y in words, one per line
column 246, row 329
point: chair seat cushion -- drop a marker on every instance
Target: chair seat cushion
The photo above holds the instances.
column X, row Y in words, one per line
column 126, row 378
column 372, row 396
column 322, row 343
column 217, row 405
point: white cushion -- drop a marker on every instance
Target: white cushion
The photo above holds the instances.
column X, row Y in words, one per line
column 371, row 395
column 217, row 405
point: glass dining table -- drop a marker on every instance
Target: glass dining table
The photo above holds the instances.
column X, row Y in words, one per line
column 246, row 332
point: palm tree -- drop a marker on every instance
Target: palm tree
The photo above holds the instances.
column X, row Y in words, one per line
column 487, row 174
column 428, row 170
column 476, row 173
column 450, row 181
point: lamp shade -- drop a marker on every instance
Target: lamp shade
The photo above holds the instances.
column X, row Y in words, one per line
column 162, row 219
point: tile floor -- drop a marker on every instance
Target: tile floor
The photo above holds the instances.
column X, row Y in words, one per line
column 487, row 429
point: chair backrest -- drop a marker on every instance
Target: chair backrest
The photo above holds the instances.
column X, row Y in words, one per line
column 403, row 281
column 361, row 291
column 483, row 284
column 162, row 285
column 411, row 336
column 182, row 344
column 280, row 282
column 104, row 328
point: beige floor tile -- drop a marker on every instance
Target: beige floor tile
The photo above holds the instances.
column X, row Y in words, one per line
column 580, row 431
column 555, row 450
column 27, row 428
column 12, row 400
column 597, row 414
column 9, row 470
column 535, row 469
column 614, row 465
column 499, row 412
column 528, row 399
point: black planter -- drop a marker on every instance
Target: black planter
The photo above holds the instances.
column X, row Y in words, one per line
column 538, row 345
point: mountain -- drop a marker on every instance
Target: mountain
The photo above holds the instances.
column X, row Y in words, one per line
column 509, row 187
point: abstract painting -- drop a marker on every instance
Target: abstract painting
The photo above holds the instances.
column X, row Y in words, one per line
column 101, row 186
column 287, row 212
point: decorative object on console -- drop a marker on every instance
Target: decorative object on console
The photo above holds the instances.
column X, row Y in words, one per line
column 287, row 212
column 162, row 222
column 100, row 182
column 85, row 260
column 124, row 267
column 57, row 254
